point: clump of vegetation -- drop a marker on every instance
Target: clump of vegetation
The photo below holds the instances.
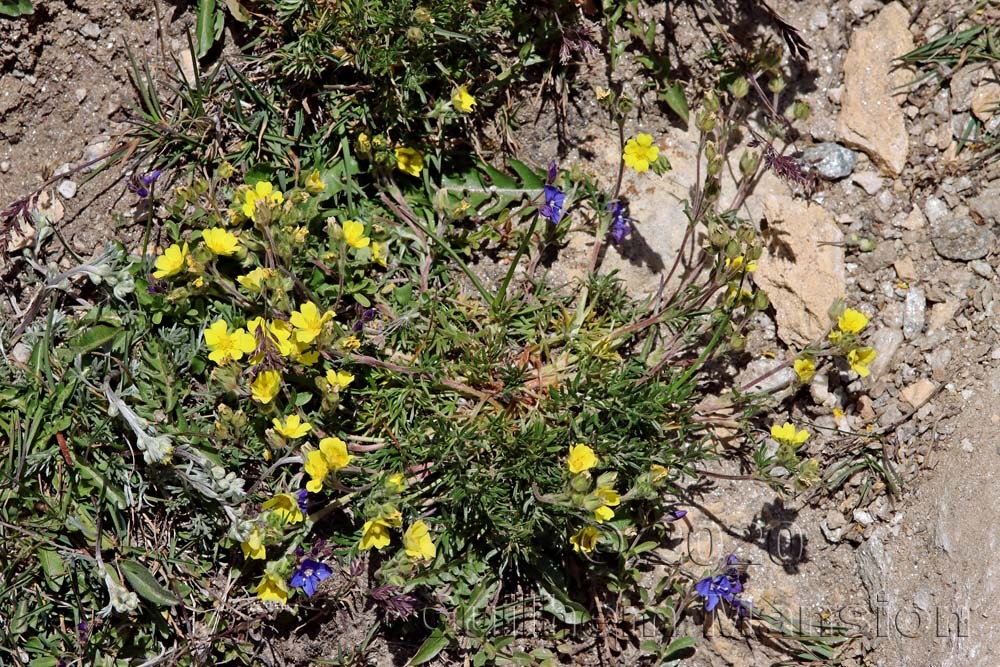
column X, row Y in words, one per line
column 313, row 395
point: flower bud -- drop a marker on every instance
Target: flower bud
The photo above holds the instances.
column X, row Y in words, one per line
column 414, row 34
column 732, row 249
column 705, row 121
column 776, row 84
column 718, row 236
column 760, row 301
column 711, row 102
column 739, row 88
column 580, row 482
column 801, row 110
column 423, row 15
column 714, row 166
column 749, row 162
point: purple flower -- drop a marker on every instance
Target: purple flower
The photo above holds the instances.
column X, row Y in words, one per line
column 621, row 225
column 676, row 515
column 554, row 200
column 141, row 185
column 302, row 498
column 308, row 576
column 714, row 590
column 552, row 173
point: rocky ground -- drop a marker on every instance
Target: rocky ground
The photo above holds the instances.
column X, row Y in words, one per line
column 908, row 571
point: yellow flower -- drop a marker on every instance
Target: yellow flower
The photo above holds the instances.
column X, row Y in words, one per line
column 349, row 343
column 339, row 379
column 317, row 469
column 272, row 587
column 585, row 539
column 224, row 346
column 335, row 451
column 252, row 280
column 254, row 546
column 581, row 458
column 396, row 482
column 409, row 160
column 417, row 542
column 292, row 428
column 787, row 435
column 860, row 358
column 640, row 152
column 304, row 356
column 601, row 93
column 315, row 184
column 852, row 321
column 736, row 262
column 220, row 241
column 805, row 368
column 265, row 386
column 462, row 100
column 658, row 472
column 281, row 334
column 354, row 234
column 308, row 322
column 378, row 253
column 331, row 457
column 262, row 193
column 286, row 506
column 374, row 534
column 610, row 498
column 171, row 262
column 363, row 145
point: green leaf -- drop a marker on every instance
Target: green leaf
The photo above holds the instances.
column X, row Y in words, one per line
column 116, row 496
column 529, row 178
column 676, row 100
column 16, row 7
column 93, row 338
column 146, row 585
column 430, row 648
column 567, row 611
column 52, row 563
column 205, row 26
column 238, row 11
column 679, row 645
column 500, row 179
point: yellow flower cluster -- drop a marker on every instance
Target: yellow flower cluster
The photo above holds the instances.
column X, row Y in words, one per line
column 331, row 456
column 850, row 323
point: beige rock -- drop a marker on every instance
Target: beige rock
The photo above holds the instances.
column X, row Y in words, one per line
column 986, row 100
column 801, row 277
column 915, row 220
column 871, row 117
column 656, row 205
column 941, row 315
column 918, row 392
column 905, row 269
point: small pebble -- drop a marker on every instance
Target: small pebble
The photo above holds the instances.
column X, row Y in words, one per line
column 961, row 239
column 967, row 446
column 67, row 189
column 863, row 517
column 831, row 161
column 981, row 268
column 4, row 167
column 869, row 181
column 935, row 209
column 90, row 30
column 884, row 200
column 914, row 312
column 80, row 94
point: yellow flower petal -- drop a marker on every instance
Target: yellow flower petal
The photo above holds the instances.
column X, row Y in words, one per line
column 581, row 458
